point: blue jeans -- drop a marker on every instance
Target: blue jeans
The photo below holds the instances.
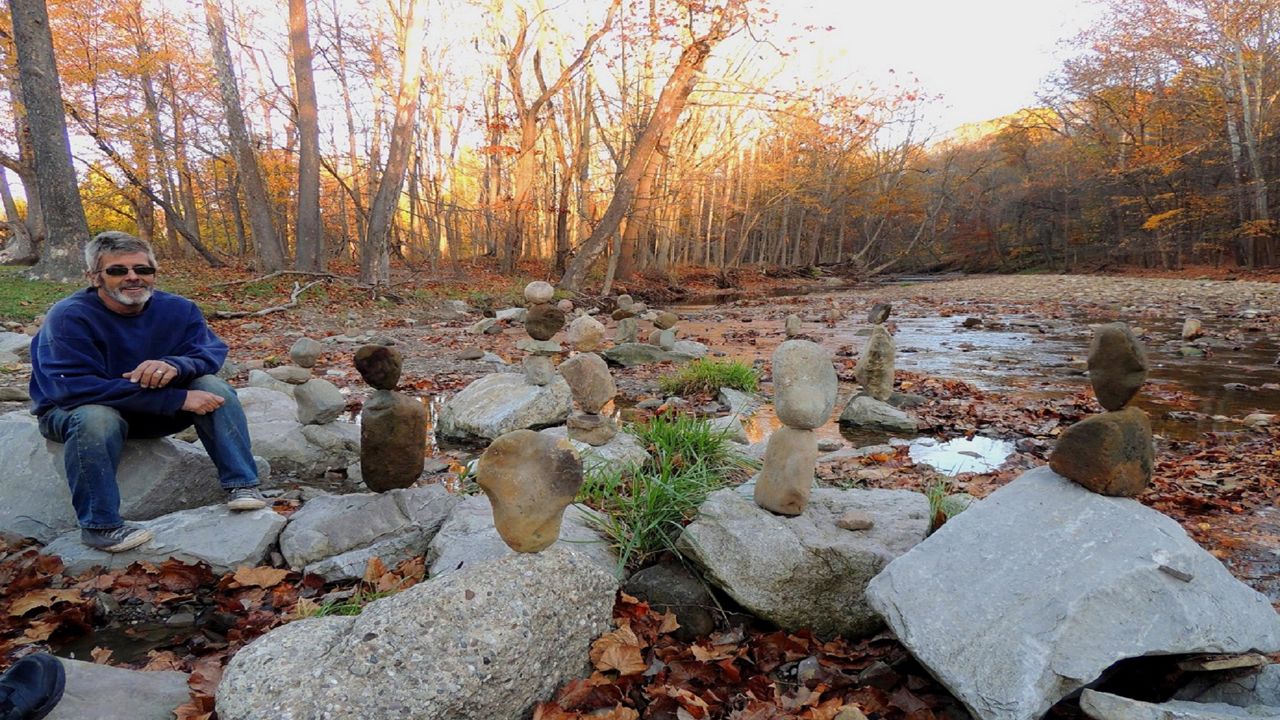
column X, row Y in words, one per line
column 94, row 437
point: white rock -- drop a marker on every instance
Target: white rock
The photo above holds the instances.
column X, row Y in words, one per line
column 501, row 402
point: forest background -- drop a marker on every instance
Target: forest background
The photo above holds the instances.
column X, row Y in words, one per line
column 635, row 137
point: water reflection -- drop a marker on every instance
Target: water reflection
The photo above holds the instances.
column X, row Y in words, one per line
column 962, row 455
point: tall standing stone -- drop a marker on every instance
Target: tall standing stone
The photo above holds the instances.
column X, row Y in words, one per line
column 592, row 387
column 875, row 366
column 529, row 478
column 1117, row 365
column 393, row 440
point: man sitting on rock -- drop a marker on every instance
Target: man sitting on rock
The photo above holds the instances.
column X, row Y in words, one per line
column 122, row 360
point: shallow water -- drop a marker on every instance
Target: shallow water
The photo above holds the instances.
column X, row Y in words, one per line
column 961, row 455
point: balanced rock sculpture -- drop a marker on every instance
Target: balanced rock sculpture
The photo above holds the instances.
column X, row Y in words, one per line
column 542, row 322
column 393, row 426
column 592, row 387
column 875, row 365
column 1110, row 453
column 529, row 478
column 665, row 331
column 804, row 388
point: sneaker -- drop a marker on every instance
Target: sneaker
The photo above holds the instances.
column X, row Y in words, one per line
column 245, row 498
column 125, row 537
column 31, row 687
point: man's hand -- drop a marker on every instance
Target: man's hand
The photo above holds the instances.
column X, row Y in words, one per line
column 152, row 374
column 201, row 402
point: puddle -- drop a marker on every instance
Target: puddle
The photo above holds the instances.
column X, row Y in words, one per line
column 962, row 455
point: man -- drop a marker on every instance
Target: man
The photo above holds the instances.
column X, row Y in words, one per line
column 122, row 360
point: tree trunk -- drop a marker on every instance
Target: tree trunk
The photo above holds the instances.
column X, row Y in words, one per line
column 21, row 249
column 65, row 224
column 270, row 253
column 375, row 266
column 309, row 241
column 675, row 95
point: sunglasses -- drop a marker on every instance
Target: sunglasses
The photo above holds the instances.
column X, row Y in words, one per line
column 121, row 270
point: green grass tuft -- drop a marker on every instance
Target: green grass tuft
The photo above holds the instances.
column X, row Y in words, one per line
column 708, row 376
column 643, row 509
column 22, row 299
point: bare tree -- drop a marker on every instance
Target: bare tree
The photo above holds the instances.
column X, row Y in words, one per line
column 309, row 243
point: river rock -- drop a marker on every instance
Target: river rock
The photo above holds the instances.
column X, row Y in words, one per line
column 879, row 313
column 632, row 354
column 866, row 411
column 875, row 365
column 1033, row 592
column 792, row 326
column 730, row 426
column 784, row 482
column 485, row 326
column 538, row 369
column 17, row 343
column 104, row 692
column 585, row 333
column 666, row 320
column 1117, row 365
column 305, row 451
column 14, row 393
column 803, row 571
column 667, row 338
column 335, row 536
column 379, row 365
column 319, row 402
column 305, row 352
column 628, row 330
column 539, row 347
column 543, row 321
column 565, row 305
column 484, row 642
column 501, row 402
column 471, row 353
column 739, row 402
column 671, row 587
column 260, row 379
column 530, row 479
column 393, row 440
column 804, row 384
column 511, row 315
column 623, row 449
column 1105, row 706
column 1110, row 453
column 1192, row 329
column 539, row 292
column 589, row 380
column 591, row 428
column 291, row 374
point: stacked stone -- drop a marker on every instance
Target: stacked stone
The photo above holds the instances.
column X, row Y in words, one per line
column 628, row 327
column 393, row 426
column 804, row 393
column 875, row 365
column 592, row 387
column 542, row 322
column 529, row 478
column 665, row 332
column 319, row 401
column 1111, row 453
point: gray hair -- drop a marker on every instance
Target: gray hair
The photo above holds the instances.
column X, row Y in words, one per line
column 114, row 242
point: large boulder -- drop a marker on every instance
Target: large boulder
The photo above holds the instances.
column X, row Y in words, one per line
column 1032, row 593
column 486, row 642
column 215, row 535
column 156, row 477
column 499, row 403
column 103, row 692
column 304, row 451
column 804, row 571
column 469, row 538
column 1105, row 706
column 335, row 536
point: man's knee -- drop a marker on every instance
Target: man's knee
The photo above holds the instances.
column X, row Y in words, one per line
column 97, row 422
column 215, row 385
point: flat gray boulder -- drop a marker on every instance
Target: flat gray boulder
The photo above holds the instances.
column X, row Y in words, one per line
column 866, row 411
column 1032, row 593
column 260, row 379
column 739, row 402
column 632, row 354
column 156, row 477
column 103, row 692
column 487, row 642
column 468, row 538
column 496, row 404
column 1105, row 706
column 304, row 451
column 215, row 535
column 622, row 450
column 804, row 571
column 1261, row 687
column 335, row 536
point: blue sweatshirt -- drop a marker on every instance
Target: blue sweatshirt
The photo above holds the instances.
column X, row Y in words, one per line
column 83, row 350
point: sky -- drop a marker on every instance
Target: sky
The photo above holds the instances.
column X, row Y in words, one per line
column 987, row 58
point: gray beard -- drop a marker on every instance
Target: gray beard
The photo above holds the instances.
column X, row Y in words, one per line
column 119, row 296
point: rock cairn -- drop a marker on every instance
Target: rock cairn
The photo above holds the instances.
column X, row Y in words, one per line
column 529, row 478
column 585, row 334
column 804, row 390
column 592, row 387
column 1111, row 453
column 542, row 322
column 625, row 314
column 875, row 365
column 319, row 401
column 792, row 326
column 665, row 332
column 393, row 426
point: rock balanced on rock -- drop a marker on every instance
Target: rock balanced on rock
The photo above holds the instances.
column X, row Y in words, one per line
column 628, row 327
column 529, row 478
column 804, row 393
column 665, row 333
column 592, row 387
column 875, row 365
column 542, row 322
column 393, row 426
column 1110, row 453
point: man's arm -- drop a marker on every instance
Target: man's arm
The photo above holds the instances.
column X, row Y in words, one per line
column 201, row 352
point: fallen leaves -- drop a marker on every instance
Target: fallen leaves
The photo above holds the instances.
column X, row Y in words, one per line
column 263, row 577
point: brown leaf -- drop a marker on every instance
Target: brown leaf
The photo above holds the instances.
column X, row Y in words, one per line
column 263, row 577
column 619, row 650
column 162, row 660
column 42, row 599
column 669, row 623
column 39, row 631
column 100, row 655
column 374, row 571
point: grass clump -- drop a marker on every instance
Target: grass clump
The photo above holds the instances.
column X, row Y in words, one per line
column 643, row 509
column 708, row 376
column 22, row 299
column 347, row 607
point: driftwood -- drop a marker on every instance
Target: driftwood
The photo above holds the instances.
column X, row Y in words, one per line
column 293, row 302
column 278, row 273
